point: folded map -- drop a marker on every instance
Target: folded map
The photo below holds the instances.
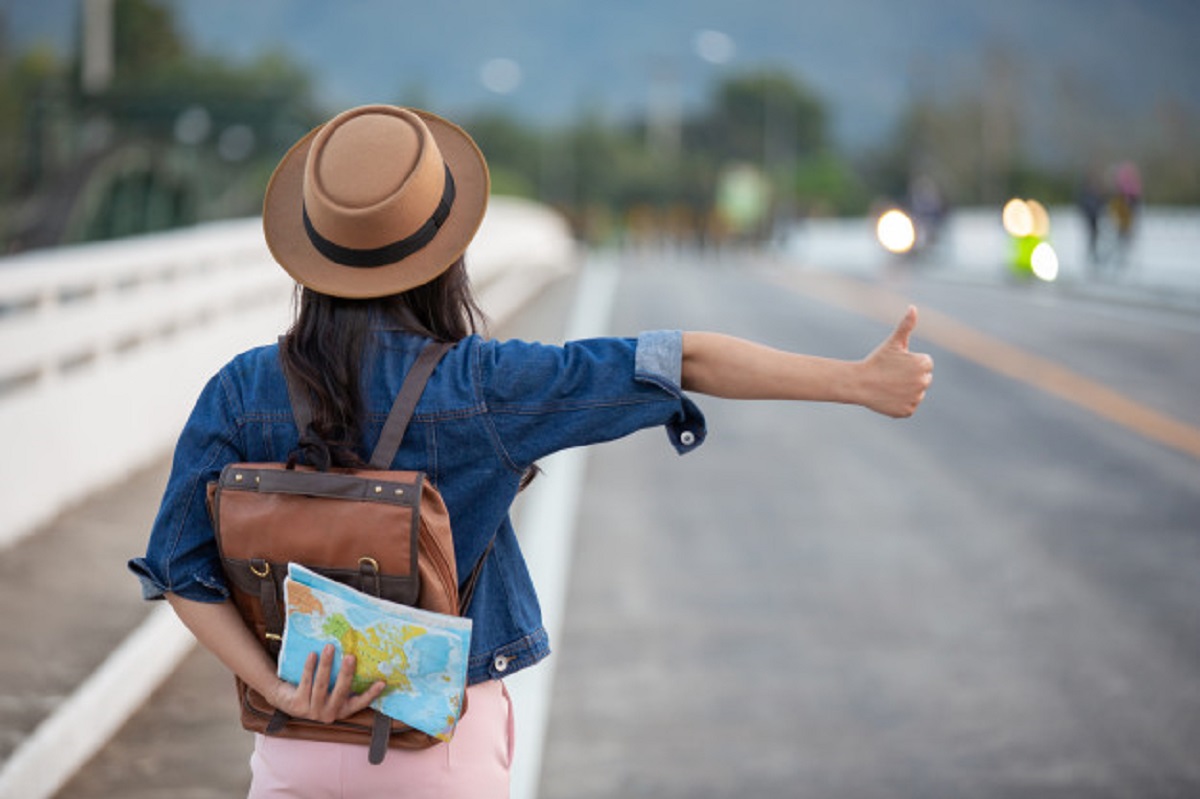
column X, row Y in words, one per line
column 421, row 656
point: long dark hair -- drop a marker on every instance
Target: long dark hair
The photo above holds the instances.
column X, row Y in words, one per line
column 325, row 346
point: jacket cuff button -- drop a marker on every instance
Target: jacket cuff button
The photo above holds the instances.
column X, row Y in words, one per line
column 500, row 664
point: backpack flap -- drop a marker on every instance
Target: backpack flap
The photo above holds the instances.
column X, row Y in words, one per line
column 361, row 529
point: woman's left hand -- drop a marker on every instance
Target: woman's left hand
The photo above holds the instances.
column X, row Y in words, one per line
column 894, row 380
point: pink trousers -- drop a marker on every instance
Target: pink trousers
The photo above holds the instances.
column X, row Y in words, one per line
column 475, row 763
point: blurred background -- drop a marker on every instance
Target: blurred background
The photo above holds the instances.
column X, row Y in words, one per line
column 697, row 119
column 996, row 598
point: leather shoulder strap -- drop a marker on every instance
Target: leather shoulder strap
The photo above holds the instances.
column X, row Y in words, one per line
column 466, row 591
column 406, row 403
column 301, row 405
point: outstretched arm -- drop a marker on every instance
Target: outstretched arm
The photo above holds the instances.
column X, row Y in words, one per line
column 891, row 380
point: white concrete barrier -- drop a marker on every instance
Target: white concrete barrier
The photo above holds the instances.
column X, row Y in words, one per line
column 1164, row 251
column 104, row 347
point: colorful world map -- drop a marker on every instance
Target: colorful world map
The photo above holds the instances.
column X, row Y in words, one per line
column 420, row 656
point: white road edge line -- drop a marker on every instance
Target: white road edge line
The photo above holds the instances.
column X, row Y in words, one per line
column 82, row 725
column 547, row 532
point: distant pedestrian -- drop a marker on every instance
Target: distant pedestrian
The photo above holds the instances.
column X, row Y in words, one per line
column 1125, row 205
column 928, row 209
column 1092, row 200
column 371, row 214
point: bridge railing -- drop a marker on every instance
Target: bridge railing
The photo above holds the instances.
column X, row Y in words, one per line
column 104, row 347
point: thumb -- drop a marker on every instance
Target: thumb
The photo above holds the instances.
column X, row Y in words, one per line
column 905, row 328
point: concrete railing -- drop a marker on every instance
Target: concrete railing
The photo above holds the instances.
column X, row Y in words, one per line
column 104, row 347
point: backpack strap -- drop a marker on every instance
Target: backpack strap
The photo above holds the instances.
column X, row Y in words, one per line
column 301, row 404
column 402, row 410
column 401, row 413
column 466, row 591
column 393, row 433
column 406, row 403
column 381, row 733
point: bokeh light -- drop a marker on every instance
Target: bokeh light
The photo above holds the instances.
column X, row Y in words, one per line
column 1017, row 218
column 896, row 232
column 500, row 75
column 714, row 47
column 1039, row 219
column 1044, row 262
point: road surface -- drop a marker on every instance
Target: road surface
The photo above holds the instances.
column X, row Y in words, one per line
column 997, row 598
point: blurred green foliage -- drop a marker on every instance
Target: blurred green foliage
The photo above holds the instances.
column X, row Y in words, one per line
column 173, row 138
column 178, row 137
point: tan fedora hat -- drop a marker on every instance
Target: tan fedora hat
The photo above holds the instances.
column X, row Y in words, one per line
column 376, row 201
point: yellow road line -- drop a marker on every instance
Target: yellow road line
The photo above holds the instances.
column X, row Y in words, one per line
column 963, row 340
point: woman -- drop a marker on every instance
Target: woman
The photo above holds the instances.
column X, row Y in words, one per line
column 371, row 214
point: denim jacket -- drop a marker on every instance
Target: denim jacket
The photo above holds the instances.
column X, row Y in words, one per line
column 490, row 410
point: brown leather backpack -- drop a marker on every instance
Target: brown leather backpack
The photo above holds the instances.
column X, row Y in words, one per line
column 384, row 532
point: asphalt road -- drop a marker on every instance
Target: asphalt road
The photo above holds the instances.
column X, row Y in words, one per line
column 997, row 598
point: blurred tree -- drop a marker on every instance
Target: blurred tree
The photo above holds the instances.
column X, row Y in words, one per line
column 760, row 117
column 826, row 183
column 942, row 140
column 513, row 153
column 1172, row 159
column 600, row 173
column 175, row 137
column 34, row 135
column 623, row 174
column 768, row 119
column 939, row 140
column 145, row 40
column 971, row 142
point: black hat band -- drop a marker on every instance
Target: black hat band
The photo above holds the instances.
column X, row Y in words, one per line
column 388, row 253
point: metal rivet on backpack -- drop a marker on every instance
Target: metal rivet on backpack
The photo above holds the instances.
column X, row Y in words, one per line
column 378, row 489
column 237, row 478
column 399, row 491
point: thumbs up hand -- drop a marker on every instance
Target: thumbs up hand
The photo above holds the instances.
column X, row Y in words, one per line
column 894, row 380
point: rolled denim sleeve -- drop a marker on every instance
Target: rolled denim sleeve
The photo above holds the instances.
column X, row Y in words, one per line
column 542, row 399
column 181, row 555
column 658, row 360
